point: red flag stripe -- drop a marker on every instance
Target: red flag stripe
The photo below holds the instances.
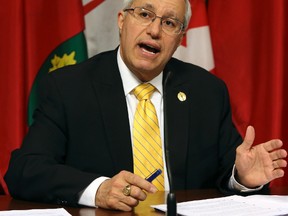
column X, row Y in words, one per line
column 199, row 14
column 31, row 30
column 91, row 5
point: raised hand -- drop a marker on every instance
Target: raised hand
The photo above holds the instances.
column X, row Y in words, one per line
column 259, row 164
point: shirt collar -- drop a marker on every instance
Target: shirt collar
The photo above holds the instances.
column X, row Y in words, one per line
column 130, row 81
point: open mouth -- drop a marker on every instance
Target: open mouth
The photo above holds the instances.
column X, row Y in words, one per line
column 149, row 49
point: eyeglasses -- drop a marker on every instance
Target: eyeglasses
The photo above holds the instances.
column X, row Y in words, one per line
column 145, row 17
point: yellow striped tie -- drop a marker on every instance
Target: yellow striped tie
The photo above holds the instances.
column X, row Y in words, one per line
column 147, row 147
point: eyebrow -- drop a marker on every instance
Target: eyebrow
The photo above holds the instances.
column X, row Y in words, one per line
column 148, row 6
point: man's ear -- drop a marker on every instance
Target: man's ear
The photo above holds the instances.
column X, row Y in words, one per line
column 121, row 17
column 181, row 38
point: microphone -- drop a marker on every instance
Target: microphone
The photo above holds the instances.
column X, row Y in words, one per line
column 171, row 197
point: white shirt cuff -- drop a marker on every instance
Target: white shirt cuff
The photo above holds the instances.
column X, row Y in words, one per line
column 87, row 197
column 234, row 185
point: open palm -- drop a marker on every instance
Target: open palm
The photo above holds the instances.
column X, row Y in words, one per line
column 259, row 164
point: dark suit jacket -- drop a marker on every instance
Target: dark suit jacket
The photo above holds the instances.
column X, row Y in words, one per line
column 81, row 131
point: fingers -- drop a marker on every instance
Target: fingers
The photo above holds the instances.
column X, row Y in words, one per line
column 136, row 180
column 278, row 158
column 278, row 173
column 272, row 145
column 137, row 193
column 123, row 191
column 127, row 202
column 249, row 138
column 278, row 154
column 281, row 163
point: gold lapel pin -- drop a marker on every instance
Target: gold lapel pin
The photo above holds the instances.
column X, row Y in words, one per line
column 181, row 96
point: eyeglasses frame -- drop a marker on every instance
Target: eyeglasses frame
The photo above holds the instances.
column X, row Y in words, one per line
column 181, row 29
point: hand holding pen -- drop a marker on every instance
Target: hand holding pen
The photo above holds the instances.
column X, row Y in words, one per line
column 149, row 178
column 125, row 190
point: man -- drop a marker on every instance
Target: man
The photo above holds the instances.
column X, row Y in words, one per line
column 80, row 147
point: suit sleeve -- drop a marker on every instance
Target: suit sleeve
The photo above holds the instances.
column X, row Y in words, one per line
column 37, row 170
column 229, row 141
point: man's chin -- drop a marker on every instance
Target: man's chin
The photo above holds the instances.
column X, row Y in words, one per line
column 146, row 75
column 147, row 65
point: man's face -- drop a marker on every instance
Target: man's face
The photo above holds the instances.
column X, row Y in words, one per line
column 146, row 49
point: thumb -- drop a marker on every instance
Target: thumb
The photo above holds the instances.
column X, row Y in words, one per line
column 249, row 138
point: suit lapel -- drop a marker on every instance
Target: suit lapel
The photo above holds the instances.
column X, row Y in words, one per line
column 109, row 91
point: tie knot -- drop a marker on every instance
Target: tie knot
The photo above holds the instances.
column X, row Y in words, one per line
column 144, row 91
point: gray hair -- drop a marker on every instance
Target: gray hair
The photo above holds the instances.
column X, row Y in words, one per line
column 188, row 12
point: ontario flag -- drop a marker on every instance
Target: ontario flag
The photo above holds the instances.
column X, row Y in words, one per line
column 37, row 37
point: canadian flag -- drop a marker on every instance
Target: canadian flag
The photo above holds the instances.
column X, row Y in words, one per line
column 196, row 46
column 102, row 31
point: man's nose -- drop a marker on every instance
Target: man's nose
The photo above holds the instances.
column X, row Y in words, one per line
column 155, row 28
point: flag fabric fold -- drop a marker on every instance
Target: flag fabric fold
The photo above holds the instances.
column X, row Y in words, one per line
column 250, row 51
column 36, row 37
